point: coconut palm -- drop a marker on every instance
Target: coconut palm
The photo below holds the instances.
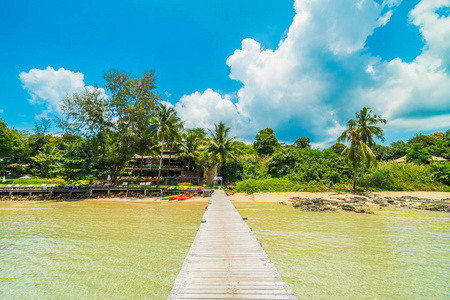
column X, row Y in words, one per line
column 220, row 145
column 189, row 148
column 165, row 123
column 146, row 145
column 358, row 150
column 365, row 123
column 173, row 142
column 360, row 135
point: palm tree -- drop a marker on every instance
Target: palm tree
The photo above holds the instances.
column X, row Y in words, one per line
column 359, row 133
column 367, row 129
column 164, row 124
column 219, row 145
column 173, row 141
column 189, row 148
column 146, row 145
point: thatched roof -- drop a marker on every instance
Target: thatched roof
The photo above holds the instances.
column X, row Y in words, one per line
column 438, row 158
column 403, row 159
column 400, row 160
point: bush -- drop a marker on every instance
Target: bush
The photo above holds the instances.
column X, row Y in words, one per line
column 403, row 177
column 251, row 186
column 310, row 166
column 441, row 172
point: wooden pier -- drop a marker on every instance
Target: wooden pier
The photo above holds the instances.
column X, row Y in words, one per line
column 226, row 261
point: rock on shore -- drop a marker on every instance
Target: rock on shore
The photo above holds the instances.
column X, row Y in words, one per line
column 362, row 202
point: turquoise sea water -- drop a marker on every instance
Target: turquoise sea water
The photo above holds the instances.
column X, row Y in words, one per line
column 394, row 254
column 134, row 250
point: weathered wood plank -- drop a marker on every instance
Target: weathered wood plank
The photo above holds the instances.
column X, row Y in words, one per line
column 226, row 261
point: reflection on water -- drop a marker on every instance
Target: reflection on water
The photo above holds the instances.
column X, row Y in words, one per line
column 395, row 254
column 56, row 250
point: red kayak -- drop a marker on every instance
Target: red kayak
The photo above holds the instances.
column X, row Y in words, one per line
column 180, row 197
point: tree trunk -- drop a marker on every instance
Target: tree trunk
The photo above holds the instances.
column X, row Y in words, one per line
column 354, row 177
column 168, row 166
column 189, row 168
column 362, row 174
column 160, row 161
column 114, row 174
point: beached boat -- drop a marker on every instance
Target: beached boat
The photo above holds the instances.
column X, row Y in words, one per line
column 180, row 197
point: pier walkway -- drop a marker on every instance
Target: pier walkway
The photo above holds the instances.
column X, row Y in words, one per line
column 226, row 261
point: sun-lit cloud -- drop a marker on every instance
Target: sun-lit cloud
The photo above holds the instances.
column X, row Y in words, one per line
column 321, row 74
column 208, row 108
column 48, row 87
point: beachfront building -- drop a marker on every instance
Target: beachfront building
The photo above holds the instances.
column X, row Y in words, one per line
column 173, row 169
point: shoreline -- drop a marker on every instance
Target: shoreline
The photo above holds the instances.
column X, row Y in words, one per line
column 285, row 197
column 276, row 197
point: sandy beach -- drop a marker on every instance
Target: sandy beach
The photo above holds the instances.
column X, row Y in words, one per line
column 286, row 196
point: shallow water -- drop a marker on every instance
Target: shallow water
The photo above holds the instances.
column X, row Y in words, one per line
column 134, row 250
column 103, row 250
column 394, row 254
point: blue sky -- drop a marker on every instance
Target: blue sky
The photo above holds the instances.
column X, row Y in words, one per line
column 301, row 68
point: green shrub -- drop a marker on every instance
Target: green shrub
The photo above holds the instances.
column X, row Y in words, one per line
column 441, row 172
column 403, row 177
column 251, row 186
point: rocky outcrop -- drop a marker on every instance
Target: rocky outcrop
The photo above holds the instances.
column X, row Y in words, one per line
column 361, row 202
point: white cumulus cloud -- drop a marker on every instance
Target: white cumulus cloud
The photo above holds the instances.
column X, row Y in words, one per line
column 208, row 108
column 321, row 74
column 49, row 86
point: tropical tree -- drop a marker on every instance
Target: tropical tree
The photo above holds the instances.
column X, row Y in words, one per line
column 173, row 143
column 367, row 130
column 302, row 142
column 190, row 148
column 219, row 145
column 165, row 123
column 265, row 142
column 112, row 124
column 418, row 154
column 358, row 150
column 48, row 161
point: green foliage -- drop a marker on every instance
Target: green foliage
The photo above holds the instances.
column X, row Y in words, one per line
column 405, row 177
column 399, row 149
column 302, row 142
column 441, row 172
column 387, row 153
column 77, row 161
column 309, row 166
column 199, row 132
column 338, row 148
column 425, row 140
column 418, row 154
column 47, row 161
column 266, row 142
column 190, row 148
column 441, row 148
column 219, row 146
column 446, row 136
column 359, row 134
column 246, row 167
column 6, row 140
column 251, row 186
column 243, row 149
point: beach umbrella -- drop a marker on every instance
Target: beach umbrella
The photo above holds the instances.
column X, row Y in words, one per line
column 4, row 179
column 109, row 177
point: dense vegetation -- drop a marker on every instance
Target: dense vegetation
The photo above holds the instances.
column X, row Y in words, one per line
column 99, row 134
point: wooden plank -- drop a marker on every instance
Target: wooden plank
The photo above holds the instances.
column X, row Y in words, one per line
column 226, row 261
